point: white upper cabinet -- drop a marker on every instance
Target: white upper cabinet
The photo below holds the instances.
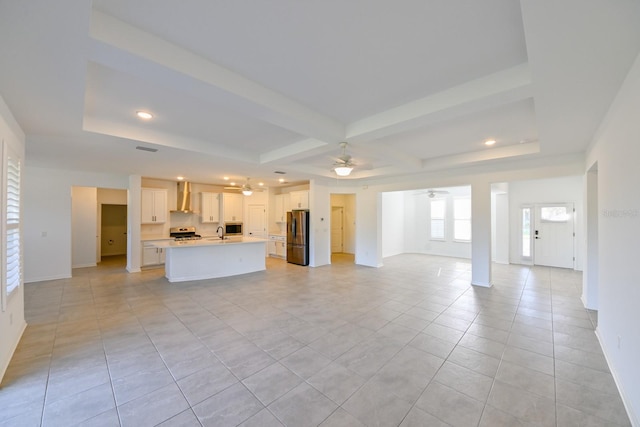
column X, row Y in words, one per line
column 299, row 199
column 209, row 207
column 282, row 207
column 232, row 206
column 153, row 206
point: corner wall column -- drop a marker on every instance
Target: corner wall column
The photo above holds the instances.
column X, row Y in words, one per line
column 481, row 234
column 133, row 224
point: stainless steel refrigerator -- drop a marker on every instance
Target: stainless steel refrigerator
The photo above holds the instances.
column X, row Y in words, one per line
column 298, row 237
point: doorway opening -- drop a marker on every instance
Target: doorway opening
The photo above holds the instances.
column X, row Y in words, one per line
column 98, row 231
column 113, row 233
column 343, row 232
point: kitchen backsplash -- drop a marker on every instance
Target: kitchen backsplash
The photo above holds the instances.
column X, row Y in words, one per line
column 179, row 219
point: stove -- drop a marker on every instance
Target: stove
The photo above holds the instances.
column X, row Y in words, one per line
column 184, row 233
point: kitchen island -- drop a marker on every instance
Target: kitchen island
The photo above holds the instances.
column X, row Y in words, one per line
column 212, row 257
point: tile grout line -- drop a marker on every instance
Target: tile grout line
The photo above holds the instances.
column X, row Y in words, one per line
column 493, row 382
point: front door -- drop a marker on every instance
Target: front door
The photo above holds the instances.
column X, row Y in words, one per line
column 554, row 235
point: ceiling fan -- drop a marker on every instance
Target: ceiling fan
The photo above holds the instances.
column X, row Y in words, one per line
column 343, row 165
column 432, row 193
column 246, row 188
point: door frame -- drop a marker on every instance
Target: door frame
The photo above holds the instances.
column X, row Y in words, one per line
column 534, row 221
column 341, row 209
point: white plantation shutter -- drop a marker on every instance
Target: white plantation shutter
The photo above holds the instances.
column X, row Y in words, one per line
column 12, row 255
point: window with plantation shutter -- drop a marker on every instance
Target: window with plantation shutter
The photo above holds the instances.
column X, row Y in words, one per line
column 12, row 255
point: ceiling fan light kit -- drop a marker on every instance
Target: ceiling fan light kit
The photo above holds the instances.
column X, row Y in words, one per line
column 344, row 165
column 246, row 188
column 343, row 170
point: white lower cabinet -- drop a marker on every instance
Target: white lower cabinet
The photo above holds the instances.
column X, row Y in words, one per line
column 152, row 255
column 277, row 246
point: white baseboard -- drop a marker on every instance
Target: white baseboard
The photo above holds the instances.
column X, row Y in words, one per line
column 85, row 265
column 482, row 285
column 45, row 278
column 15, row 346
column 633, row 418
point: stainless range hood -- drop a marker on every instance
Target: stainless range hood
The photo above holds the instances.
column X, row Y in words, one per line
column 184, row 197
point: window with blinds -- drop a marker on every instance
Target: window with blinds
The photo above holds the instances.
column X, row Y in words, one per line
column 12, row 254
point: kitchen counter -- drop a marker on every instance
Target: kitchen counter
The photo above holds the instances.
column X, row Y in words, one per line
column 212, row 257
column 148, row 238
column 209, row 241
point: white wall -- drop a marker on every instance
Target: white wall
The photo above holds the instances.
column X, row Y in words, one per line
column 12, row 323
column 47, row 218
column 319, row 224
column 393, row 223
column 84, row 226
column 590, row 272
column 553, row 190
column 617, row 152
column 500, row 227
column 419, row 239
column 406, row 217
column 368, row 227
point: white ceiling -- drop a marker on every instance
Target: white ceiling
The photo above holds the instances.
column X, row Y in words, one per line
column 244, row 89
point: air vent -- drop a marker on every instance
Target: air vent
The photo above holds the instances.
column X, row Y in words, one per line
column 151, row 150
column 280, row 172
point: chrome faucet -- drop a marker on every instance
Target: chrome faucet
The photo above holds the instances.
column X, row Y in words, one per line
column 220, row 232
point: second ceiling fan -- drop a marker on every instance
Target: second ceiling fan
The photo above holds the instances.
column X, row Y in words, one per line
column 246, row 188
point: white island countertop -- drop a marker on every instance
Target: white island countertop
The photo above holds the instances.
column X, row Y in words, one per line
column 212, row 257
column 207, row 241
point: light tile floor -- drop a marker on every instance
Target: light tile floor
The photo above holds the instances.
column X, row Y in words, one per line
column 409, row 344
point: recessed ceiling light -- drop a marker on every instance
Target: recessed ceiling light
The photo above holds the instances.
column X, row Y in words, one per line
column 180, row 178
column 261, row 184
column 226, row 178
column 281, row 180
column 232, row 183
column 144, row 115
column 490, row 142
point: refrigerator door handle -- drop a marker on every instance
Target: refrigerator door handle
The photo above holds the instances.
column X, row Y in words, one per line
column 293, row 227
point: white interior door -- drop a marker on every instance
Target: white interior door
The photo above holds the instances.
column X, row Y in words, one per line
column 337, row 243
column 257, row 221
column 554, row 235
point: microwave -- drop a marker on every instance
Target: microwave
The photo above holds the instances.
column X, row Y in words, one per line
column 233, row 229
